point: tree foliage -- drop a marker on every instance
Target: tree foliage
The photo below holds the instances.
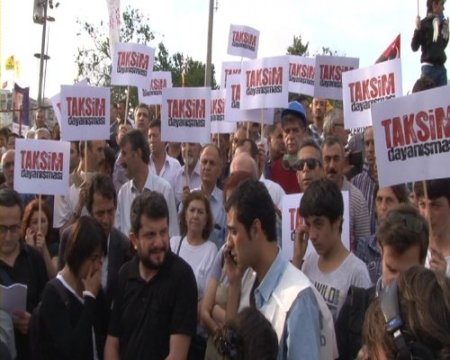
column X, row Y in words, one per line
column 94, row 59
column 297, row 47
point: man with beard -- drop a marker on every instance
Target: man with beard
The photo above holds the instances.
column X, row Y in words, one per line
column 154, row 313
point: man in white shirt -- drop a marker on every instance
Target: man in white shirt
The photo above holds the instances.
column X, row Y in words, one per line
column 186, row 181
column 135, row 155
column 161, row 163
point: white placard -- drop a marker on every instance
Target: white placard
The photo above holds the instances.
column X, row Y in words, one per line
column 233, row 112
column 85, row 112
column 301, row 75
column 132, row 64
column 56, row 100
column 412, row 137
column 243, row 41
column 185, row 115
column 153, row 94
column 289, row 219
column 363, row 87
column 264, row 83
column 328, row 75
column 229, row 68
column 218, row 123
column 42, row 167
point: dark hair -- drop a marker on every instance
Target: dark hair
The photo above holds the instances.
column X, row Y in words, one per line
column 155, row 123
column 250, row 201
column 423, row 83
column 332, row 140
column 253, row 147
column 424, row 307
column 402, row 228
column 233, row 181
column 137, row 141
column 430, row 5
column 103, row 185
column 86, row 236
column 435, row 189
column 10, row 198
column 110, row 159
column 196, row 195
column 309, row 142
column 400, row 192
column 322, row 198
column 152, row 204
column 249, row 335
column 4, row 131
column 30, row 209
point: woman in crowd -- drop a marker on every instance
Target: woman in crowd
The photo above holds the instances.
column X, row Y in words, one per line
column 214, row 305
column 248, row 336
column 196, row 223
column 73, row 310
column 410, row 319
column 367, row 248
column 36, row 228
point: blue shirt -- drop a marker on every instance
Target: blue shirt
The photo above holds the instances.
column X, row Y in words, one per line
column 301, row 335
column 368, row 251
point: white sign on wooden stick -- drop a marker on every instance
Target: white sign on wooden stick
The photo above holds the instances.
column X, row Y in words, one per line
column 412, row 137
column 243, row 41
column 153, row 94
column 363, row 87
column 42, row 167
column 229, row 68
column 132, row 65
column 218, row 123
column 328, row 75
column 264, row 83
column 185, row 115
column 301, row 75
column 85, row 113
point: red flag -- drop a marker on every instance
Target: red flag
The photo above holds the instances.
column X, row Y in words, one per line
column 392, row 52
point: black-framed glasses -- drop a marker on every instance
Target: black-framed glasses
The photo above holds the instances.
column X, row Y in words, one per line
column 311, row 164
column 13, row 229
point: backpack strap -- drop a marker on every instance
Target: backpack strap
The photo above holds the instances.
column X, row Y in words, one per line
column 179, row 245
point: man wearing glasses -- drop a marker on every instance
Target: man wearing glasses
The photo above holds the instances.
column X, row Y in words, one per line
column 19, row 263
column 309, row 164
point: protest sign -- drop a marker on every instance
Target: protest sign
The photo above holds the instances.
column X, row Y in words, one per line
column 264, row 83
column 229, row 68
column 328, row 75
column 363, row 87
column 185, row 115
column 233, row 112
column 152, row 95
column 56, row 100
column 412, row 137
column 132, row 64
column 85, row 112
column 301, row 75
column 42, row 167
column 218, row 123
column 243, row 41
column 290, row 219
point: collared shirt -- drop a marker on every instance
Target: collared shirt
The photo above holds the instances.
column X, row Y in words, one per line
column 128, row 193
column 366, row 184
column 301, row 337
column 276, row 192
column 195, row 181
column 318, row 139
column 217, row 236
column 169, row 170
column 119, row 174
column 368, row 251
column 359, row 213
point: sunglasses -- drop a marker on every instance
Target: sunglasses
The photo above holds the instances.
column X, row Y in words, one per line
column 311, row 164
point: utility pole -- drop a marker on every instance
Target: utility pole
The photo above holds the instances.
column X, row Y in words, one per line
column 208, row 67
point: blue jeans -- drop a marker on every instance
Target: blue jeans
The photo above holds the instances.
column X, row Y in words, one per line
column 437, row 73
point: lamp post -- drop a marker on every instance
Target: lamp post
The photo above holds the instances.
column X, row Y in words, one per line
column 208, row 67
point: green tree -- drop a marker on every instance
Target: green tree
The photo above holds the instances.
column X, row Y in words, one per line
column 94, row 59
column 297, row 47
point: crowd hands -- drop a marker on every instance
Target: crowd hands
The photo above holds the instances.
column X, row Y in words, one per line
column 174, row 251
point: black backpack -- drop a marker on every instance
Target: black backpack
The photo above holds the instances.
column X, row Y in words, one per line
column 40, row 347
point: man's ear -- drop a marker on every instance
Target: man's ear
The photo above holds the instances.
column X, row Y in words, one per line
column 134, row 240
column 255, row 229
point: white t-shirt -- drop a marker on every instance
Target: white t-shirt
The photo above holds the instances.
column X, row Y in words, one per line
column 427, row 263
column 334, row 285
column 199, row 257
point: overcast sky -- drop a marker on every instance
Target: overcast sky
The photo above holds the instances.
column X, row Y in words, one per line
column 356, row 28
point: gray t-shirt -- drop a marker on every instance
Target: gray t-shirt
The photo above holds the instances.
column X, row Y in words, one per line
column 334, row 285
